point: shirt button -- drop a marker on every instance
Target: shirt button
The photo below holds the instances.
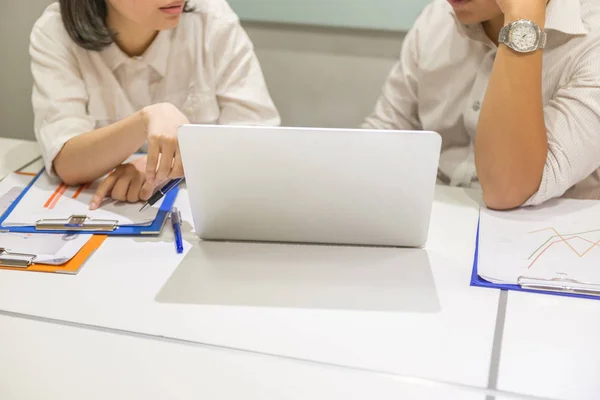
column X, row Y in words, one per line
column 477, row 106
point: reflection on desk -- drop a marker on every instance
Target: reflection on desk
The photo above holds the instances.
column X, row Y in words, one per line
column 304, row 276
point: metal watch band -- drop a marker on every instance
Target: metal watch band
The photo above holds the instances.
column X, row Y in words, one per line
column 503, row 38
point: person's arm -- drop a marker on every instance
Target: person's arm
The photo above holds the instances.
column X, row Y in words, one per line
column 511, row 145
column 71, row 147
column 241, row 89
column 396, row 108
column 573, row 129
column 91, row 155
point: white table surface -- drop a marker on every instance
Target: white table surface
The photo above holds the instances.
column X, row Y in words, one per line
column 118, row 286
column 47, row 361
column 15, row 154
column 551, row 347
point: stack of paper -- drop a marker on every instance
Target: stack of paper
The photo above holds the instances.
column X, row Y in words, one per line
column 557, row 241
column 61, row 253
column 47, row 248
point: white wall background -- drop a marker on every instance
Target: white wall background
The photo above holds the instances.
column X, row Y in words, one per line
column 324, row 77
column 16, row 19
column 317, row 76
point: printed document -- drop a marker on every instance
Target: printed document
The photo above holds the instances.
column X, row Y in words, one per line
column 559, row 240
column 50, row 199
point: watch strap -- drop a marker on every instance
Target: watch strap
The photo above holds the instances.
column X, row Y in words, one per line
column 543, row 39
column 503, row 37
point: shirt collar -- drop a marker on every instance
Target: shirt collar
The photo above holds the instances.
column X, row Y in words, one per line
column 156, row 56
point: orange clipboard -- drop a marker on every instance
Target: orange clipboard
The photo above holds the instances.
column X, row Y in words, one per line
column 73, row 266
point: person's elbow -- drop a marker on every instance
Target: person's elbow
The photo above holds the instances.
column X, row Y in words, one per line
column 502, row 200
column 66, row 172
column 507, row 192
column 510, row 182
column 66, row 175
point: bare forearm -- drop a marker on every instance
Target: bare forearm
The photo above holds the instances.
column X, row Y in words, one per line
column 511, row 142
column 91, row 155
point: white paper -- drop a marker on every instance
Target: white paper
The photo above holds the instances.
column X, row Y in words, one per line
column 48, row 248
column 11, row 188
column 50, row 199
column 560, row 240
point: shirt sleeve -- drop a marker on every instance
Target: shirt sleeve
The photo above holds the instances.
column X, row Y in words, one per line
column 59, row 96
column 240, row 85
column 572, row 120
column 398, row 104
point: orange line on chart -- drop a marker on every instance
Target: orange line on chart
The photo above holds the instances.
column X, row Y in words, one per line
column 60, row 194
column 56, row 196
column 562, row 239
column 553, row 236
column 566, row 241
column 51, row 198
column 81, row 189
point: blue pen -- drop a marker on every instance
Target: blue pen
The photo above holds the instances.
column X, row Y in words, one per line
column 161, row 193
column 176, row 221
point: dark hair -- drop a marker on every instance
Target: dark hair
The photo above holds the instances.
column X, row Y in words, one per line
column 85, row 22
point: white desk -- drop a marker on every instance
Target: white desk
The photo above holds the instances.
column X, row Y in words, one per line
column 551, row 347
column 54, row 362
column 118, row 286
column 15, row 154
column 453, row 345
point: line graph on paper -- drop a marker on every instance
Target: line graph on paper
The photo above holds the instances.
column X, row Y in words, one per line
column 558, row 240
column 580, row 244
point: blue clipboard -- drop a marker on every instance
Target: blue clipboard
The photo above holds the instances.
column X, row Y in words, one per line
column 153, row 229
column 476, row 280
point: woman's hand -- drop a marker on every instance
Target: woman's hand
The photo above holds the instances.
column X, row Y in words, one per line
column 164, row 159
column 127, row 183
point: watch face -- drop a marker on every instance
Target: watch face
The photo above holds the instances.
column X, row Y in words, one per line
column 524, row 36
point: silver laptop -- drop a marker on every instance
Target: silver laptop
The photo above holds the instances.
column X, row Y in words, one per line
column 308, row 185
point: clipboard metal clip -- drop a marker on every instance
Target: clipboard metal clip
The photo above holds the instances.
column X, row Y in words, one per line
column 560, row 285
column 15, row 260
column 76, row 223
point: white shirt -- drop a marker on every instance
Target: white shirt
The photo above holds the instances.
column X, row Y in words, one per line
column 442, row 76
column 206, row 67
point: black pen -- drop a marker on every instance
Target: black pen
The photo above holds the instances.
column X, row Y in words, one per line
column 160, row 193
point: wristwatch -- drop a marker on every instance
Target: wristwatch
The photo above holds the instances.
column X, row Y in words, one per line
column 523, row 36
